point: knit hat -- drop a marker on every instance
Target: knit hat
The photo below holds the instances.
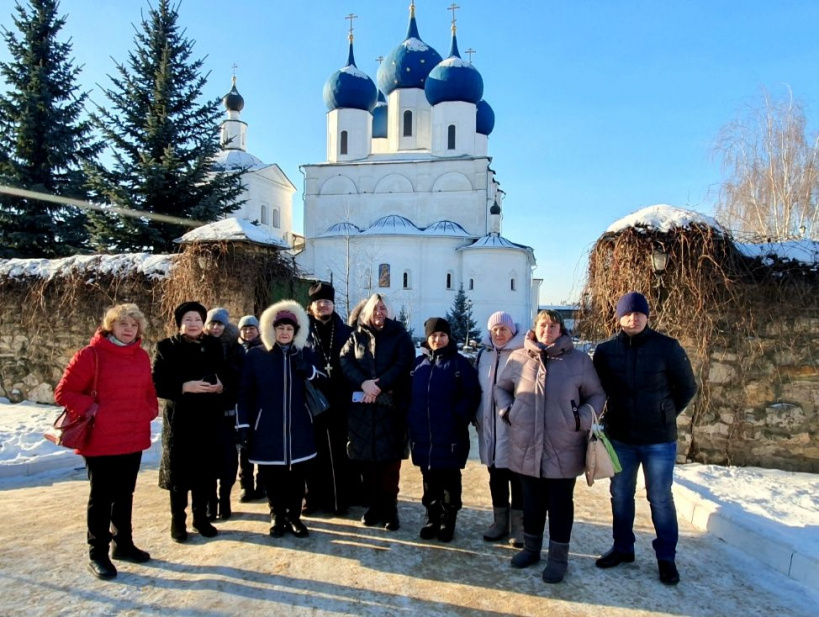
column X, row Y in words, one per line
column 502, row 319
column 286, row 317
column 247, row 321
column 632, row 302
column 436, row 324
column 322, row 291
column 219, row 315
column 187, row 307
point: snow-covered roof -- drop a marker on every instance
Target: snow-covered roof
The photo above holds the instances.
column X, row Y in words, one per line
column 804, row 251
column 393, row 224
column 152, row 266
column 232, row 229
column 496, row 242
column 446, row 228
column 662, row 218
column 237, row 159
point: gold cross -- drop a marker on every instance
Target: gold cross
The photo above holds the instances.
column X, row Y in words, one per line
column 351, row 17
column 453, row 7
column 470, row 51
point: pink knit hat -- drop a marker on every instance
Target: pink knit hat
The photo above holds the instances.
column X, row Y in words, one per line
column 502, row 319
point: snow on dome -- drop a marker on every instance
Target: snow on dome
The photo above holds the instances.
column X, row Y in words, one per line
column 662, row 218
column 350, row 88
column 495, row 242
column 152, row 266
column 804, row 251
column 341, row 229
column 453, row 79
column 232, row 230
column 445, row 228
column 229, row 159
column 392, row 224
column 408, row 65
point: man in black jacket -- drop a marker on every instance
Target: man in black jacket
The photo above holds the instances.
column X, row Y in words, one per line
column 648, row 380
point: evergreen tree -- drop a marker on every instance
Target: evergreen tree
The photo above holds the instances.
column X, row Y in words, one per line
column 162, row 140
column 44, row 139
column 406, row 320
column 463, row 327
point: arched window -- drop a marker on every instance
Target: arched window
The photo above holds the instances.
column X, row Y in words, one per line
column 449, row 280
column 343, row 143
column 276, row 220
column 408, row 123
column 513, row 284
column 263, row 215
column 450, row 137
column 406, row 279
column 471, row 284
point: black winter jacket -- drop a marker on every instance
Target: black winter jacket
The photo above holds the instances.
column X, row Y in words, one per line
column 445, row 397
column 377, row 431
column 648, row 381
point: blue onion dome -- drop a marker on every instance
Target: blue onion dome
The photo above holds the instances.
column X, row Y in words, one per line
column 408, row 65
column 233, row 101
column 350, row 88
column 495, row 209
column 486, row 118
column 380, row 117
column 454, row 79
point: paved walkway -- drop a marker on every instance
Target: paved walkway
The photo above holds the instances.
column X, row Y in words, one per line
column 344, row 568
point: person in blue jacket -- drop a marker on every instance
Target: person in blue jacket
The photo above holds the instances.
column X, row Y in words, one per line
column 273, row 422
column 445, row 397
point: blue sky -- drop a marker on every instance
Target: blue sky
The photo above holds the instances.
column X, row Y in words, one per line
column 602, row 106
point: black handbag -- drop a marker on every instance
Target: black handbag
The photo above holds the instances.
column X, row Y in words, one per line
column 314, row 399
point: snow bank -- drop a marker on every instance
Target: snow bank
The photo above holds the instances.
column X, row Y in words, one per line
column 662, row 218
column 152, row 266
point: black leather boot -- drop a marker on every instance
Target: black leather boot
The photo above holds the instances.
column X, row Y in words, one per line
column 433, row 525
column 179, row 501
column 225, row 511
column 447, row 531
column 99, row 563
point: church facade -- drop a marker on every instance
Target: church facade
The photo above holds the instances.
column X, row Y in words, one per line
column 407, row 203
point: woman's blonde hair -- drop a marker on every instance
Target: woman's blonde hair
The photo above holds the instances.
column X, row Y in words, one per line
column 367, row 311
column 119, row 311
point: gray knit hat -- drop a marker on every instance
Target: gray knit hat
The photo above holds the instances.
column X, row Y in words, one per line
column 248, row 320
column 219, row 315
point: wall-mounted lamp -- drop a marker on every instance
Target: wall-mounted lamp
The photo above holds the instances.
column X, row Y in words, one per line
column 659, row 260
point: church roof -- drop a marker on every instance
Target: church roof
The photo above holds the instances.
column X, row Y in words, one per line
column 233, row 101
column 496, row 242
column 392, row 224
column 446, row 228
column 341, row 229
column 486, row 118
column 380, row 117
column 232, row 229
column 454, row 79
column 350, row 88
column 228, row 159
column 408, row 65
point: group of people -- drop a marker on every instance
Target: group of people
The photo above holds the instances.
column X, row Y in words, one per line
column 532, row 396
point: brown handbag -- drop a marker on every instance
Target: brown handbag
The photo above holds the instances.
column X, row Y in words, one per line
column 73, row 431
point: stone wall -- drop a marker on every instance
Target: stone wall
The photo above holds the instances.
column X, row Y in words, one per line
column 764, row 401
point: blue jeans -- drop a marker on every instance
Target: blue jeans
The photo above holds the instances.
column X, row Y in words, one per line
column 658, row 468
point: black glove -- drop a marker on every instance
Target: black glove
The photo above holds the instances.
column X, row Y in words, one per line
column 243, row 438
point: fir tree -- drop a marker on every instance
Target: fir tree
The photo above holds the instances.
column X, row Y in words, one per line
column 406, row 320
column 461, row 324
column 162, row 140
column 44, row 137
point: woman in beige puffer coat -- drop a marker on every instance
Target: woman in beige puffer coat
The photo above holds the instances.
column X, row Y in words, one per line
column 546, row 394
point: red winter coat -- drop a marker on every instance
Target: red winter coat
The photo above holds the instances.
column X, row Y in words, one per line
column 126, row 396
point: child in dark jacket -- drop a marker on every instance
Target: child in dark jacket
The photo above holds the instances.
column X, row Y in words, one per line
column 445, row 398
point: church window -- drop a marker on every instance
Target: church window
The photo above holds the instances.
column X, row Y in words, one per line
column 276, row 218
column 513, row 284
column 471, row 284
column 449, row 280
column 383, row 275
column 343, row 143
column 406, row 279
column 263, row 215
column 450, row 137
column 408, row 123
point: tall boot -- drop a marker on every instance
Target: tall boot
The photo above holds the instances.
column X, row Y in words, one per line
column 530, row 554
column 500, row 525
column 516, row 521
column 225, row 511
column 430, row 530
column 124, row 548
column 199, row 508
column 557, row 563
column 179, row 502
column 448, row 519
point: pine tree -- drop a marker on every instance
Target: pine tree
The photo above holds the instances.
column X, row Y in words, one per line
column 162, row 140
column 44, row 137
column 406, row 320
column 461, row 324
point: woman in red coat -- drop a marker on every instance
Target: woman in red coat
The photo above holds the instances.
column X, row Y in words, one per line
column 122, row 430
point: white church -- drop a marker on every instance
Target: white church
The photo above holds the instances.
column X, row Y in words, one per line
column 406, row 203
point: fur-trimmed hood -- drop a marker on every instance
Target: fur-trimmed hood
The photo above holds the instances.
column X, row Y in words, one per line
column 268, row 333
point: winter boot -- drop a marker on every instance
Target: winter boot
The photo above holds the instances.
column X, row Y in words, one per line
column 447, row 531
column 500, row 525
column 127, row 551
column 669, row 575
column 391, row 522
column 224, row 503
column 99, row 563
column 179, row 501
column 530, row 554
column 517, row 528
column 430, row 530
column 279, row 526
column 557, row 563
column 200, row 515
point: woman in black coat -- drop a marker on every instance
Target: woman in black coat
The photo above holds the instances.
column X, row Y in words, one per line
column 376, row 361
column 274, row 423
column 445, row 397
column 189, row 372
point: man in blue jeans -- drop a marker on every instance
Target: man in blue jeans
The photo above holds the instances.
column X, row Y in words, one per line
column 648, row 381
